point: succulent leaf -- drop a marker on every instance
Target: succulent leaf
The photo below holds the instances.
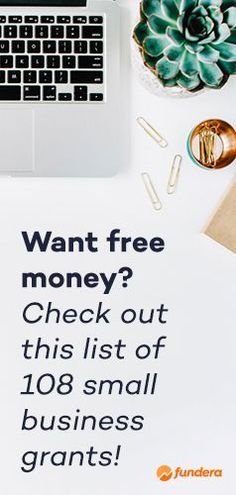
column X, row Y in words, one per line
column 208, row 55
column 189, row 83
column 141, row 31
column 154, row 46
column 189, row 64
column 169, row 83
column 180, row 22
column 209, row 3
column 178, row 3
column 223, row 33
column 232, row 37
column 194, row 47
column 209, row 39
column 210, row 74
column 188, row 43
column 230, row 17
column 150, row 62
column 200, row 10
column 169, row 9
column 227, row 51
column 175, row 36
column 215, row 14
column 228, row 67
column 167, row 69
column 186, row 5
column 174, row 53
column 158, row 25
column 150, row 7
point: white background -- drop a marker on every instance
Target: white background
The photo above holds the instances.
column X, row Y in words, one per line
column 191, row 420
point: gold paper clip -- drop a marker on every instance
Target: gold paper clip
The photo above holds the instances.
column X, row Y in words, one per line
column 152, row 132
column 151, row 191
column 174, row 174
column 207, row 139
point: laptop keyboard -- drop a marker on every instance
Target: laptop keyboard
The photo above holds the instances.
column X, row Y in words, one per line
column 46, row 58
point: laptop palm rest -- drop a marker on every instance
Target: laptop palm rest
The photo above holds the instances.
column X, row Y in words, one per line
column 16, row 140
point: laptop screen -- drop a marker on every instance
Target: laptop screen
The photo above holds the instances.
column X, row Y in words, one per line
column 44, row 3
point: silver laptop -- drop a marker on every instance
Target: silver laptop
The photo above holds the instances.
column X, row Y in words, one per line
column 60, row 88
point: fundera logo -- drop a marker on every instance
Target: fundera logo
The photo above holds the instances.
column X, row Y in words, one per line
column 166, row 473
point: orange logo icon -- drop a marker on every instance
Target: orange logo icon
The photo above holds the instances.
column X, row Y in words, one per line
column 164, row 473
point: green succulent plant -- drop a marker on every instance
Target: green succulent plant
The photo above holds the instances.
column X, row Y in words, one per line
column 188, row 43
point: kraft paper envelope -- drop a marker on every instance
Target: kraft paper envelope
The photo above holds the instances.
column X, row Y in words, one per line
column 222, row 226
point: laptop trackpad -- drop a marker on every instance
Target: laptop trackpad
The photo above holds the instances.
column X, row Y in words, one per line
column 16, row 140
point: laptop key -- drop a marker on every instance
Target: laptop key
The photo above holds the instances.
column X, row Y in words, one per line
column 33, row 46
column 68, row 62
column 17, row 19
column 2, row 76
column 45, row 76
column 53, row 62
column 86, row 62
column 30, row 76
column 4, row 46
column 81, row 47
column 80, row 93
column 17, row 47
column 95, row 19
column 72, row 32
column 10, row 93
column 49, row 46
column 49, row 93
column 79, row 19
column 92, row 32
column 57, row 31
column 2, row 19
column 61, row 76
column 63, row 19
column 37, row 61
column 6, row 61
column 26, row 32
column 22, row 61
column 96, row 46
column 10, row 31
column 31, row 19
column 65, row 96
column 86, row 77
column 65, row 47
column 41, row 31
column 32, row 93
column 47, row 19
column 14, row 76
column 96, row 97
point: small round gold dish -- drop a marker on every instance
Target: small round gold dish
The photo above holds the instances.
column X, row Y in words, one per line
column 212, row 144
